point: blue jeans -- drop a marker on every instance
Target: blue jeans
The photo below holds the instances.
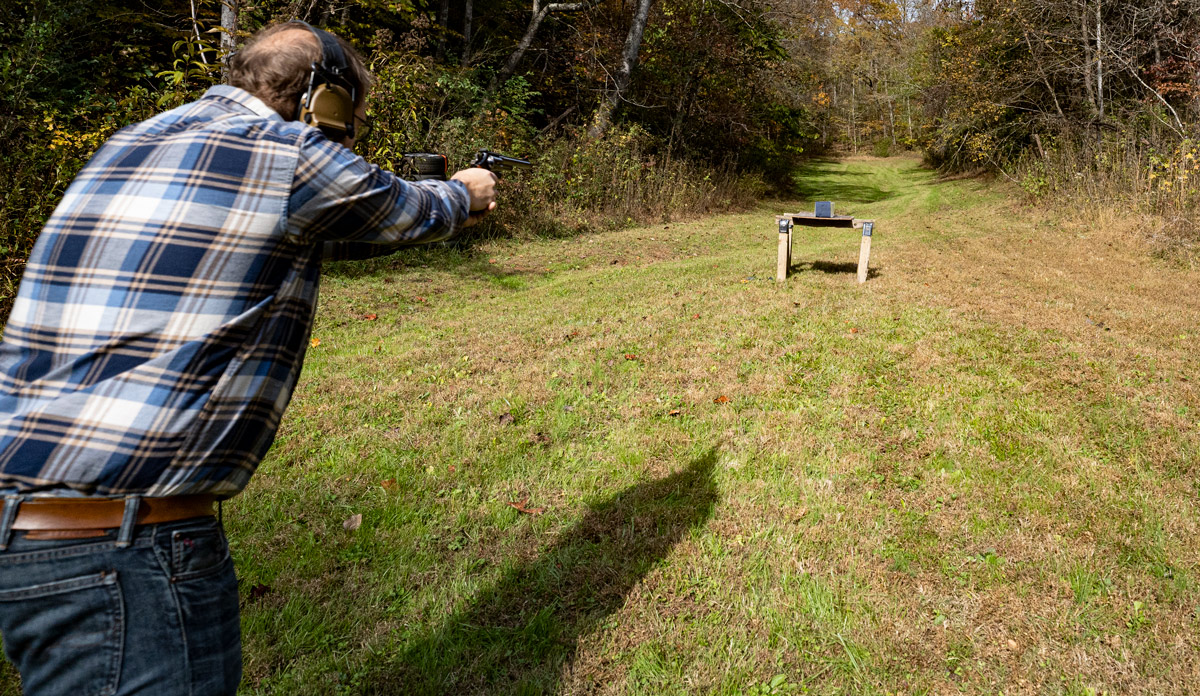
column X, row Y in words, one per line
column 84, row 617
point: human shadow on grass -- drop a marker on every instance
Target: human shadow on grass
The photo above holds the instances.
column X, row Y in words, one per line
column 517, row 636
column 831, row 267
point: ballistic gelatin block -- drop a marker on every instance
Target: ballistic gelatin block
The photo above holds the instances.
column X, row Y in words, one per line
column 824, row 209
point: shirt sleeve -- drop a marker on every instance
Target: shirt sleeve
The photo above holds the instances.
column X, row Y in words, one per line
column 338, row 197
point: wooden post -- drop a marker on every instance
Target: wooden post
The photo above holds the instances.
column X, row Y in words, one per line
column 785, row 248
column 864, row 250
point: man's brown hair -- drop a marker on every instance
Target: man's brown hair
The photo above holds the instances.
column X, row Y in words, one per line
column 275, row 68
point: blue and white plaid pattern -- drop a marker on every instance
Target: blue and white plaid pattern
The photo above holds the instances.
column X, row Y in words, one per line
column 166, row 308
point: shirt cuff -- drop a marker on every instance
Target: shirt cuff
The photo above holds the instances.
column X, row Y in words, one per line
column 461, row 189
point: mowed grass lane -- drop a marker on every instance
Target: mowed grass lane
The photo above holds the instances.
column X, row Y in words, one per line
column 631, row 463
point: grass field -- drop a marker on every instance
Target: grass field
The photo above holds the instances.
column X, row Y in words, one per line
column 631, row 463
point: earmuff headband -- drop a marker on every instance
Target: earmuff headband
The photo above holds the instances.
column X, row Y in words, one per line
column 327, row 77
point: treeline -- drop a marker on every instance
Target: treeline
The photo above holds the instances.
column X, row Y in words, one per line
column 647, row 109
column 1093, row 101
column 632, row 110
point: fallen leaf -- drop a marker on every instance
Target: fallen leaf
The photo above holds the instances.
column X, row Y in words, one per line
column 418, row 298
column 695, row 316
column 506, row 419
column 452, row 468
column 630, row 356
column 315, row 342
column 722, row 399
column 259, row 591
column 674, row 412
column 353, row 523
column 523, row 507
column 853, row 330
column 491, row 260
column 540, row 439
column 388, row 484
column 370, row 317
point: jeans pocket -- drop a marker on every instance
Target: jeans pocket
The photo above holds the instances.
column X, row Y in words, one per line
column 66, row 636
column 198, row 552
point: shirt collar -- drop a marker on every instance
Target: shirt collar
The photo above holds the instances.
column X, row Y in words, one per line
column 244, row 99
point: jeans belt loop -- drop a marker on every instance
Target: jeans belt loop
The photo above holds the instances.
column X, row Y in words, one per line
column 128, row 521
column 7, row 516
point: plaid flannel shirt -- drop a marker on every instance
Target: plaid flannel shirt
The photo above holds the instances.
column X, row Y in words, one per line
column 164, row 313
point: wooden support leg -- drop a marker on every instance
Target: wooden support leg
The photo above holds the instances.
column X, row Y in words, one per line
column 781, row 266
column 784, row 254
column 864, row 251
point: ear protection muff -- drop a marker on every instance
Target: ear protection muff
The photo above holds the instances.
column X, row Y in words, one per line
column 329, row 101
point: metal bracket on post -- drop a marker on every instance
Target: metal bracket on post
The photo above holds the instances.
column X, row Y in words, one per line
column 864, row 250
column 785, row 248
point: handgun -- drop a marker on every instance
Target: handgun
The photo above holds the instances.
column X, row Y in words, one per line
column 493, row 161
column 430, row 165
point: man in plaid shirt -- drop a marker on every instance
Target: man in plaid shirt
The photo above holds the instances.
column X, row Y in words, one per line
column 157, row 336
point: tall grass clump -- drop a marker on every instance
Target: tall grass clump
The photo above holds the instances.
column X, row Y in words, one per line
column 1160, row 180
column 578, row 185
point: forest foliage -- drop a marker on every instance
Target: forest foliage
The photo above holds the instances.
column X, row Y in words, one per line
column 650, row 109
column 1090, row 101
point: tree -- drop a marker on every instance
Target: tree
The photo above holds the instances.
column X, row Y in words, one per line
column 229, row 27
column 633, row 42
column 540, row 12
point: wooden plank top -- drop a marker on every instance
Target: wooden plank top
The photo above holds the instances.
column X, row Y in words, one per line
column 807, row 219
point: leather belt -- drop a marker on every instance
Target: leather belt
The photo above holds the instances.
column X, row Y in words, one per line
column 77, row 518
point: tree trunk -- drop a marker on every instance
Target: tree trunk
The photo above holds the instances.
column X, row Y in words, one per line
column 518, row 53
column 908, row 115
column 539, row 13
column 1099, row 65
column 229, row 17
column 853, row 116
column 633, row 44
column 468, row 15
column 443, row 28
column 892, row 119
column 1087, row 55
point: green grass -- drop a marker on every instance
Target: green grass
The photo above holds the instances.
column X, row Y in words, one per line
column 906, row 491
column 944, row 480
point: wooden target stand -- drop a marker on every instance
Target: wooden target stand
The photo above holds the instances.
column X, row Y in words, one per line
column 823, row 217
